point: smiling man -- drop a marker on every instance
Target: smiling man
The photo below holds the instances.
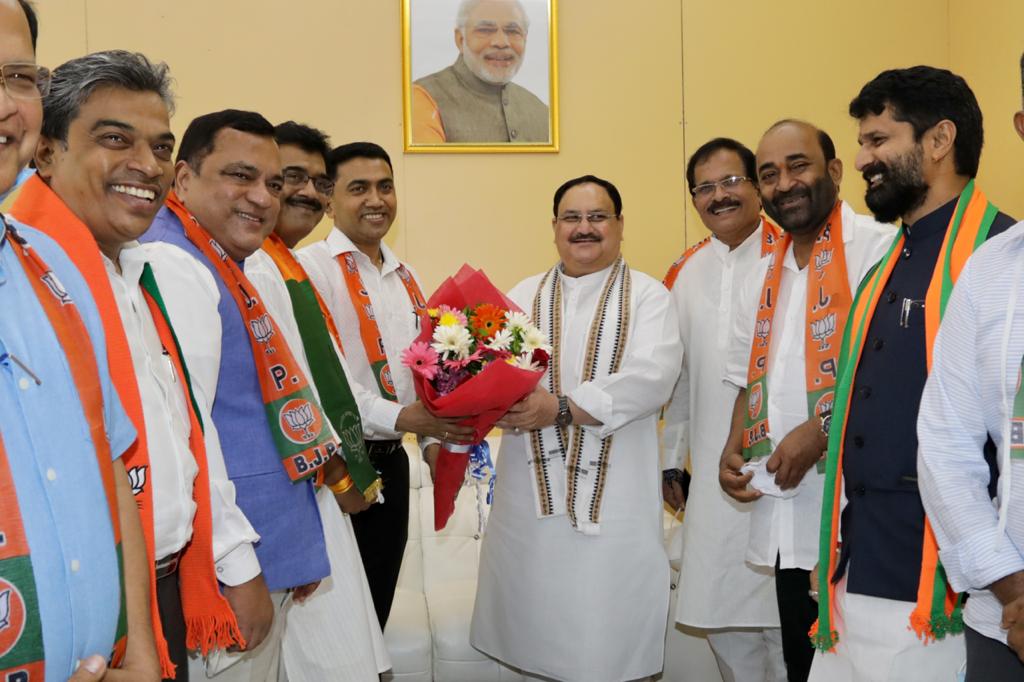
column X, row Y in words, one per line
column 574, row 580
column 475, row 100
column 718, row 591
column 786, row 335
column 272, row 431
column 104, row 167
column 920, row 146
column 376, row 305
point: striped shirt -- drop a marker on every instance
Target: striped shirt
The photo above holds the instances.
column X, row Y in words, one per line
column 968, row 399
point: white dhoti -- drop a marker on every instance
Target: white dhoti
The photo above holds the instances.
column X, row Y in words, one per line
column 876, row 644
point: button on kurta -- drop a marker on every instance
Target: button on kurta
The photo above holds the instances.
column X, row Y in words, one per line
column 858, row 441
column 75, row 565
column 878, row 344
column 51, row 475
column 890, row 297
column 24, row 383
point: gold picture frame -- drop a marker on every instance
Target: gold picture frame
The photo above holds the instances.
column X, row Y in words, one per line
column 439, row 74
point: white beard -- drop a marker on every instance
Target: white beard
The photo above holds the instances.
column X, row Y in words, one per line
column 479, row 68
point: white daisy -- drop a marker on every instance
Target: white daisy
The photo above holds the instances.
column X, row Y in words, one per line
column 533, row 339
column 514, row 321
column 453, row 339
column 501, row 340
column 524, row 361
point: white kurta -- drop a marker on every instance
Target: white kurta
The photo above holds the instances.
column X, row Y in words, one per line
column 789, row 528
column 717, row 588
column 335, row 632
column 550, row 600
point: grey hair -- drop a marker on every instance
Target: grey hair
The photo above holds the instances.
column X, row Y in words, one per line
column 467, row 6
column 74, row 82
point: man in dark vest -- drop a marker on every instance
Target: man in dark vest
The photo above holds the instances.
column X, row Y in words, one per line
column 474, row 99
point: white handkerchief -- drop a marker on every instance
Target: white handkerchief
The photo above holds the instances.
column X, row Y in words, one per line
column 765, row 481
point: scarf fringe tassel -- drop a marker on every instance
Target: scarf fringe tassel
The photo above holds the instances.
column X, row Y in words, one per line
column 207, row 633
column 935, row 628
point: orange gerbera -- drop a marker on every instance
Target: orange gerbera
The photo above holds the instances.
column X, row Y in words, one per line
column 487, row 320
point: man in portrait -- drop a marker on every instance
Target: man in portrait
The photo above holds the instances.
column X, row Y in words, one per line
column 474, row 99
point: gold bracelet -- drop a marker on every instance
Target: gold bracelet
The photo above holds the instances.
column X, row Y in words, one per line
column 342, row 486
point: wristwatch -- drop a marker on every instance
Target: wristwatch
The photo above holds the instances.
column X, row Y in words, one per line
column 564, row 416
column 826, row 422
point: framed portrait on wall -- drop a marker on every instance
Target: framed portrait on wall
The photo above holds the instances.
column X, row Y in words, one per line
column 480, row 75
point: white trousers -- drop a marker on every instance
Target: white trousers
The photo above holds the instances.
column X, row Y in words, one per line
column 262, row 664
column 876, row 644
column 749, row 654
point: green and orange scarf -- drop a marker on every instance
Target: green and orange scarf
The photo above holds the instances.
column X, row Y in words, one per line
column 369, row 331
column 937, row 612
column 828, row 304
column 319, row 339
column 297, row 423
column 17, row 579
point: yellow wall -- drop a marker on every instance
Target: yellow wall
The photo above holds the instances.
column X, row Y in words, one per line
column 629, row 71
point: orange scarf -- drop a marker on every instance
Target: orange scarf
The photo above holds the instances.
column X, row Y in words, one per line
column 769, row 234
column 78, row 349
column 827, row 309
column 369, row 331
column 37, row 205
column 298, row 425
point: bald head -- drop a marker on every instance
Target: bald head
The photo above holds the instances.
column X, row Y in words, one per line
column 798, row 175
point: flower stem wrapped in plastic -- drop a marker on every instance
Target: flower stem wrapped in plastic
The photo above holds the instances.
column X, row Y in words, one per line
column 475, row 357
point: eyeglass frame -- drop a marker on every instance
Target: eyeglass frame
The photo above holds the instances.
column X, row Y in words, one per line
column 307, row 177
column 707, row 189
column 589, row 217
column 44, row 79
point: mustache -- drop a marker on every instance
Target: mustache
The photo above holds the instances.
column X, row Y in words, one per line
column 724, row 203
column 307, row 202
column 874, row 169
column 795, row 193
column 582, row 238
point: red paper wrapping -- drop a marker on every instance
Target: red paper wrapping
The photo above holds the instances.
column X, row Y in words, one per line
column 482, row 399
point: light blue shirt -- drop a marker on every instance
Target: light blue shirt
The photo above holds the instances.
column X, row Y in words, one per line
column 53, row 464
column 969, row 398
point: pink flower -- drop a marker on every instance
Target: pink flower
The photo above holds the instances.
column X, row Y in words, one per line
column 449, row 315
column 422, row 359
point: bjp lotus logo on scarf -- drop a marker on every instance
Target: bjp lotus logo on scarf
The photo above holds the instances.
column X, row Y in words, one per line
column 263, row 330
column 137, row 477
column 56, row 288
column 821, row 261
column 754, row 401
column 385, row 379
column 822, row 330
column 12, row 616
column 300, row 423
column 762, row 330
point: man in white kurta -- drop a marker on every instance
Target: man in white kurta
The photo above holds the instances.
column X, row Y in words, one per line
column 799, row 180
column 718, row 591
column 584, row 595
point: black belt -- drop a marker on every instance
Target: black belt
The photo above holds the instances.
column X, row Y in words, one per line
column 168, row 565
column 382, row 447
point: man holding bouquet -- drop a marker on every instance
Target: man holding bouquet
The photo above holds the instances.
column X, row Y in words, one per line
column 377, row 307
column 574, row 581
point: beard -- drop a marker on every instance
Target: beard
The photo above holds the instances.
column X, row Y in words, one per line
column 478, row 65
column 902, row 188
column 821, row 197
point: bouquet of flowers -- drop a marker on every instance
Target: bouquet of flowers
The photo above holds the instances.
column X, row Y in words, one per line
column 476, row 356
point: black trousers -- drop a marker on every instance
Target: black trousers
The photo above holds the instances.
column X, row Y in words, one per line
column 168, row 599
column 382, row 530
column 989, row 660
column 797, row 613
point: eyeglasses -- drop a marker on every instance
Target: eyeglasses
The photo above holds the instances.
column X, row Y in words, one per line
column 296, row 177
column 595, row 218
column 25, row 81
column 707, row 189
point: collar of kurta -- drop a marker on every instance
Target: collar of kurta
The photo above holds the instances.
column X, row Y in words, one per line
column 338, row 243
column 934, row 223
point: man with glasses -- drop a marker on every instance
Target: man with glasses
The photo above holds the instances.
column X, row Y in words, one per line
column 475, row 100
column 73, row 575
column 574, row 580
column 786, row 336
column 376, row 305
column 719, row 592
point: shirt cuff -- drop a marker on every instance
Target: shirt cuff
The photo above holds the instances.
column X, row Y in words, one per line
column 976, row 562
column 381, row 419
column 238, row 566
column 596, row 403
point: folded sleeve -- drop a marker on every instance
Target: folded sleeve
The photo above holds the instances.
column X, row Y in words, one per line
column 952, row 470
